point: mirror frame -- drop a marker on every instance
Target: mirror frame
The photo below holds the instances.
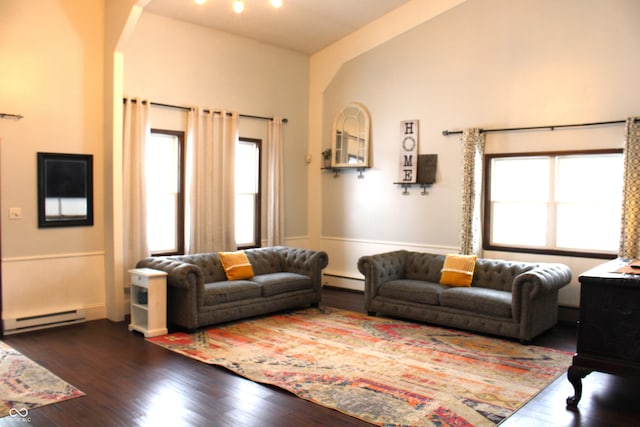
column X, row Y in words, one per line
column 365, row 120
column 76, row 172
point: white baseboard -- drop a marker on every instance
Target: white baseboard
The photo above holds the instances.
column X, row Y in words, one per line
column 95, row 312
column 338, row 281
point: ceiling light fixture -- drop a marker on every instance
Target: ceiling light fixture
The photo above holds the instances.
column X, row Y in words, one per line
column 238, row 5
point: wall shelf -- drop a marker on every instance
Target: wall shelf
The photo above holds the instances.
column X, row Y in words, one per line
column 427, row 165
column 406, row 185
column 336, row 170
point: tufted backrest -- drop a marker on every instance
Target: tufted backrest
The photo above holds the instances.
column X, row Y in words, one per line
column 423, row 266
column 299, row 260
column 264, row 260
column 208, row 262
column 498, row 274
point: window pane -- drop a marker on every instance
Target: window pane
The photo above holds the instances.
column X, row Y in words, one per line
column 245, row 219
column 162, row 169
column 520, row 178
column 247, row 186
column 588, row 226
column 162, row 163
column 246, row 167
column 583, row 177
column 588, row 189
column 522, row 224
column 161, row 225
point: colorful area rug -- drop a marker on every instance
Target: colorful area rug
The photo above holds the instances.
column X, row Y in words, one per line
column 25, row 385
column 386, row 372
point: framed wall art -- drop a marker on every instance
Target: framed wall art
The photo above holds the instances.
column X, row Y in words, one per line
column 65, row 190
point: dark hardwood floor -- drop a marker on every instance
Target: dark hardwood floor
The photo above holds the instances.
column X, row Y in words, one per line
column 129, row 382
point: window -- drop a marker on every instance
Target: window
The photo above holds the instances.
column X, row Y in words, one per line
column 558, row 203
column 247, row 183
column 165, row 192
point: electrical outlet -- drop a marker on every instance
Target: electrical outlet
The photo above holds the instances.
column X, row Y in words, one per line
column 15, row 213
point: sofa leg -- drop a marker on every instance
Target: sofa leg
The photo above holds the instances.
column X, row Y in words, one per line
column 371, row 313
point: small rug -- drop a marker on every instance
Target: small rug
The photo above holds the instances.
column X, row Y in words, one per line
column 25, row 385
column 383, row 371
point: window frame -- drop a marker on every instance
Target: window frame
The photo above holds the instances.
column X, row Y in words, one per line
column 180, row 214
column 487, row 213
column 257, row 225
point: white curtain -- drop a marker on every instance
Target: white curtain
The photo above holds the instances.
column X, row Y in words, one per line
column 470, row 227
column 275, row 187
column 136, row 131
column 210, row 210
column 630, row 230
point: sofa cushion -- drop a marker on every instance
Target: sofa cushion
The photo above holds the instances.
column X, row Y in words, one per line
column 412, row 290
column 458, row 270
column 229, row 291
column 478, row 300
column 280, row 283
column 236, row 265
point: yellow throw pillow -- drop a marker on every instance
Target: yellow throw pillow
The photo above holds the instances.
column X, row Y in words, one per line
column 458, row 270
column 236, row 265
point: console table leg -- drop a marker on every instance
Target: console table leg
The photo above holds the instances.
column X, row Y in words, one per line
column 575, row 374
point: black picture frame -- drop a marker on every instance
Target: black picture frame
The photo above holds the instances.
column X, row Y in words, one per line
column 65, row 190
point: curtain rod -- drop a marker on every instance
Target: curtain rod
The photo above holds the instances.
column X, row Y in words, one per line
column 180, row 107
column 550, row 127
column 11, row 116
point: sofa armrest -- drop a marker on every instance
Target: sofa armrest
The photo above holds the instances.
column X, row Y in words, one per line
column 179, row 274
column 381, row 268
column 185, row 289
column 304, row 261
column 544, row 278
column 534, row 284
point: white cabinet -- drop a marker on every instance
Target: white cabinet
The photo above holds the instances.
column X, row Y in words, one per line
column 148, row 301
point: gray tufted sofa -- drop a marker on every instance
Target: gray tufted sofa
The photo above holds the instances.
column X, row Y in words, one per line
column 510, row 299
column 199, row 294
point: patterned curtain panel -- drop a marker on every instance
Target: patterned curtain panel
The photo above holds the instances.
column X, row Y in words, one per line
column 630, row 231
column 470, row 227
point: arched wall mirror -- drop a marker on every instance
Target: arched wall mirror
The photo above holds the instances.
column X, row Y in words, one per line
column 351, row 137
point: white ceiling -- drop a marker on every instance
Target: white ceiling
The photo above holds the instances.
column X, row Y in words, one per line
column 302, row 25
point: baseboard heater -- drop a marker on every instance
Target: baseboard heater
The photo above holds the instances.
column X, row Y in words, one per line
column 43, row 321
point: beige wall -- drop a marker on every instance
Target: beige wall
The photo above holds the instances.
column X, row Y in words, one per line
column 176, row 63
column 484, row 63
column 51, row 72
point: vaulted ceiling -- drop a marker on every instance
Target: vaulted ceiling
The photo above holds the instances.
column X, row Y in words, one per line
column 305, row 26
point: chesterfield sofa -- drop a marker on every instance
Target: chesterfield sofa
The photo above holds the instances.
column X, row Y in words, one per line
column 199, row 294
column 510, row 299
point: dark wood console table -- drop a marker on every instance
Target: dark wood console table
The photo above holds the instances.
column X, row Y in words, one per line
column 609, row 327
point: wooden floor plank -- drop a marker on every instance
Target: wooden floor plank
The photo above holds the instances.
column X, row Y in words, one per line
column 130, row 382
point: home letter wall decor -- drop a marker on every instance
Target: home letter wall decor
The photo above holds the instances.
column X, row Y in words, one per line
column 408, row 151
